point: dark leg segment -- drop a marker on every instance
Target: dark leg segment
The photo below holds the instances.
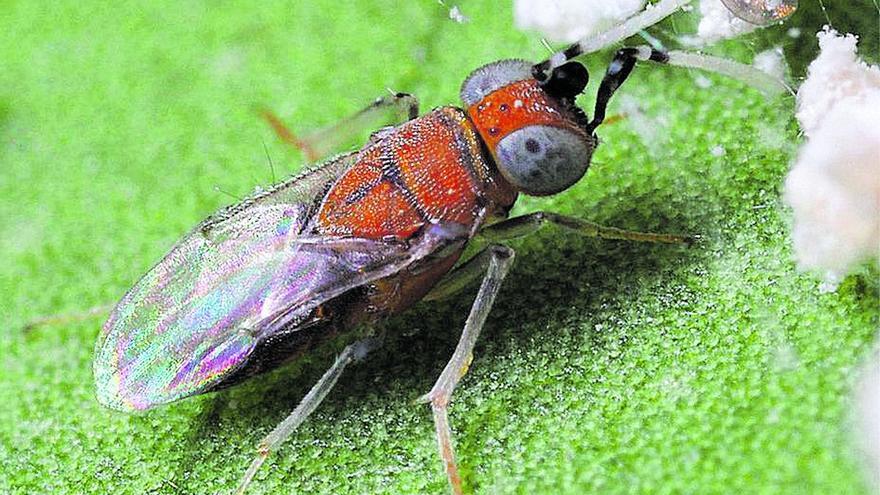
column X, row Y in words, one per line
column 527, row 224
column 388, row 110
column 352, row 353
column 499, row 260
column 619, row 69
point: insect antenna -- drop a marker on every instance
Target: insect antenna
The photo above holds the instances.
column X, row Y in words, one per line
column 646, row 18
column 638, row 23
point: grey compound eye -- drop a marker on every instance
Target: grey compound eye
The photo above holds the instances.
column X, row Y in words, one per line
column 541, row 160
column 491, row 77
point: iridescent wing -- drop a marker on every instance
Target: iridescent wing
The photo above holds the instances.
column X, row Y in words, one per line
column 241, row 275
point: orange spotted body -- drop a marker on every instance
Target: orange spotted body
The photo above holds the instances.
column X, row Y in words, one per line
column 437, row 168
column 429, row 170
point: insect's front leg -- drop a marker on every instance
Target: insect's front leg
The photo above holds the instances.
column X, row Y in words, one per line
column 389, row 110
column 527, row 224
column 497, row 260
column 625, row 60
column 352, row 353
column 618, row 70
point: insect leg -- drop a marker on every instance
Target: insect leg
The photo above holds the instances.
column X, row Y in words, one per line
column 387, row 110
column 527, row 224
column 769, row 84
column 500, row 259
column 64, row 318
column 618, row 70
column 625, row 59
column 352, row 353
column 461, row 277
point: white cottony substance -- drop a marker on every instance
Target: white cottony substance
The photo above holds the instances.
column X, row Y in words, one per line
column 570, row 20
column 834, row 185
column 718, row 23
column 836, row 75
column 772, row 62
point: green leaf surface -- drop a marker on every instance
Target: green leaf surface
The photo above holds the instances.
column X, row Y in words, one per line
column 605, row 367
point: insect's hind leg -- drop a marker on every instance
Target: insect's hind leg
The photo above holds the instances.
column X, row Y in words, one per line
column 498, row 261
column 352, row 353
column 527, row 224
column 391, row 109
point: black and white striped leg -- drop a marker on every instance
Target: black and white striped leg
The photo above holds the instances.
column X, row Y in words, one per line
column 618, row 70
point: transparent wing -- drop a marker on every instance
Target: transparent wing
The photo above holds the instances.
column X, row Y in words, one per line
column 234, row 280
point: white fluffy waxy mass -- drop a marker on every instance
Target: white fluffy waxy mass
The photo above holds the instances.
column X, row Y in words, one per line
column 570, row 20
column 718, row 23
column 834, row 185
column 835, row 76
